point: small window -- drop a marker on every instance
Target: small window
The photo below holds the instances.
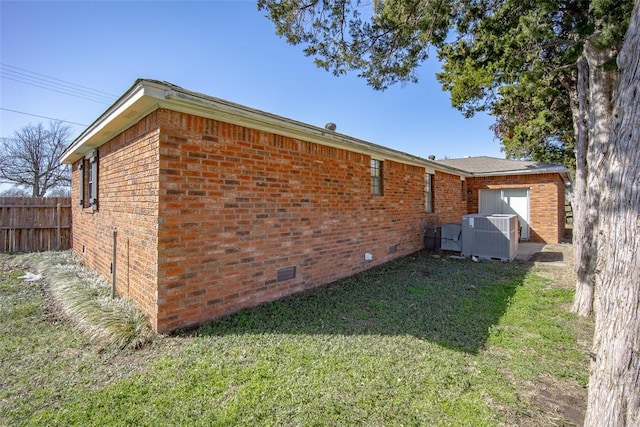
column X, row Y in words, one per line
column 376, row 177
column 90, row 181
column 88, row 189
column 428, row 192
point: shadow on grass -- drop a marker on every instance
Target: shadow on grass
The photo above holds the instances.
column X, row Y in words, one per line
column 450, row 302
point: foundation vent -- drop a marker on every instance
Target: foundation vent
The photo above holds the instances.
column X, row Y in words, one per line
column 286, row 273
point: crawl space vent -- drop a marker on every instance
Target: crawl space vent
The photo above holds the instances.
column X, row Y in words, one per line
column 287, row 273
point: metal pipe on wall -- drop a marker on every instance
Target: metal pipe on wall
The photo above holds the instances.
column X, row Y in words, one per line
column 113, row 263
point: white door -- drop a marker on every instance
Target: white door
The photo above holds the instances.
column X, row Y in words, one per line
column 507, row 201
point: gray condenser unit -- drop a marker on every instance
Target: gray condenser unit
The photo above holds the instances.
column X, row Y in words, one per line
column 450, row 237
column 490, row 236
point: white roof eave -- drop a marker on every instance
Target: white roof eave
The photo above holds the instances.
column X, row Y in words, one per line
column 146, row 96
column 136, row 103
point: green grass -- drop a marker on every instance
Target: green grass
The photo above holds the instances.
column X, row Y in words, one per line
column 420, row 341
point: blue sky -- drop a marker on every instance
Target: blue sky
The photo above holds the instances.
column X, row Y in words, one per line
column 226, row 49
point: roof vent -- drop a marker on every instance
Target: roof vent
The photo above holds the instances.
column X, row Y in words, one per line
column 431, row 157
column 330, row 126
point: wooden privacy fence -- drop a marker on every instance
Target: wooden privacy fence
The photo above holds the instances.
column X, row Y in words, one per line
column 34, row 224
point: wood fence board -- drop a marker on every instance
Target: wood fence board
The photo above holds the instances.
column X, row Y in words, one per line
column 34, row 224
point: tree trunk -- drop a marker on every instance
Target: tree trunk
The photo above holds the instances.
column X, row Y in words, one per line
column 583, row 225
column 36, row 181
column 614, row 383
column 595, row 94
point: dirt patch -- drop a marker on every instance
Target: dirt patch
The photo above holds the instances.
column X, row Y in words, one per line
column 555, row 262
column 559, row 403
column 568, row 403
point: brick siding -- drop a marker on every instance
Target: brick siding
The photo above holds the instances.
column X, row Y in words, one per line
column 237, row 205
column 448, row 202
column 128, row 201
column 208, row 212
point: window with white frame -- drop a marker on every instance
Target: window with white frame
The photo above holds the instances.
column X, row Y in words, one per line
column 376, row 177
column 88, row 189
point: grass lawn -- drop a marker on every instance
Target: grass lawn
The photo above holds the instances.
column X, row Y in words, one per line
column 419, row 341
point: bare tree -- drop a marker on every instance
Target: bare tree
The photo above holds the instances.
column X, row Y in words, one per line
column 31, row 158
column 14, row 192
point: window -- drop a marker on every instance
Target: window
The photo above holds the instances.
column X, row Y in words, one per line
column 428, row 193
column 376, row 177
column 88, row 188
column 90, row 175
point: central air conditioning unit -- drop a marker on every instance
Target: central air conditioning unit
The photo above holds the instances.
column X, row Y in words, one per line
column 490, row 236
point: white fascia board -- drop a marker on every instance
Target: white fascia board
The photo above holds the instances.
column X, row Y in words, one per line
column 139, row 101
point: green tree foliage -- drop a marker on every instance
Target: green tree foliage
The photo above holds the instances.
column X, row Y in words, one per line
column 534, row 121
column 516, row 60
column 510, row 58
column 385, row 41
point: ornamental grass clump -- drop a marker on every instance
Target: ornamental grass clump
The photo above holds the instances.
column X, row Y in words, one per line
column 84, row 298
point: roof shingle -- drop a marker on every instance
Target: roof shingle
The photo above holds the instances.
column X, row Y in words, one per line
column 489, row 165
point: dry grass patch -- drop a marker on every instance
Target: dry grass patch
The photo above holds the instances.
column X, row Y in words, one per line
column 84, row 298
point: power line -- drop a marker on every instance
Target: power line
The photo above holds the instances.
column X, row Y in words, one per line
column 43, row 81
column 57, row 87
column 42, row 117
column 53, row 78
column 55, row 90
column 66, row 87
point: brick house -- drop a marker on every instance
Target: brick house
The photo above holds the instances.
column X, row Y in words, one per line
column 196, row 207
column 535, row 191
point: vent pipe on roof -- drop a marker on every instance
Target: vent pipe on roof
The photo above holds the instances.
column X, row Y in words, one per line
column 330, row 126
column 431, row 157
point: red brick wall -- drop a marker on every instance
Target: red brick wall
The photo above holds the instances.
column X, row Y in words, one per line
column 562, row 214
column 238, row 204
column 546, row 205
column 448, row 202
column 128, row 201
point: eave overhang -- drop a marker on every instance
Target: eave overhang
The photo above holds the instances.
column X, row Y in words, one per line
column 561, row 170
column 146, row 96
